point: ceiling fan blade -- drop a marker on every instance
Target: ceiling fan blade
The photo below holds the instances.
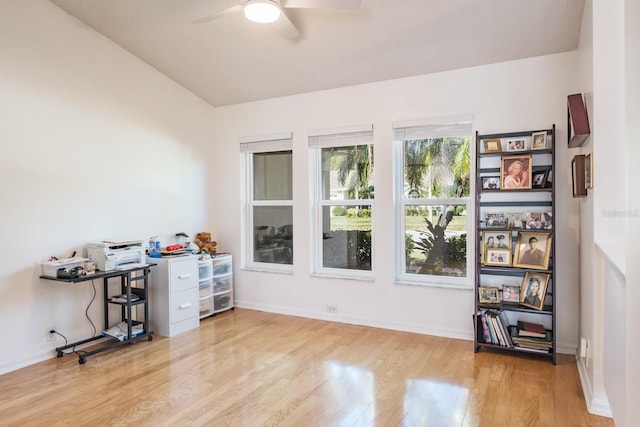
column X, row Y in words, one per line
column 217, row 15
column 322, row 4
column 286, row 27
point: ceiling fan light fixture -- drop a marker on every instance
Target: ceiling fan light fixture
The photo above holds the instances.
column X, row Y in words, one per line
column 262, row 11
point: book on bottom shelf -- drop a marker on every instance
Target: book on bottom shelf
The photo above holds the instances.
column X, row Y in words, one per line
column 540, row 345
column 120, row 331
column 495, row 328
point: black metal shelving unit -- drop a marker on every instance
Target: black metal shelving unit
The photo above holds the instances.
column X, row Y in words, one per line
column 503, row 200
column 133, row 281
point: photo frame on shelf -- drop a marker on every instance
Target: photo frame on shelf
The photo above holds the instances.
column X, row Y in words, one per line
column 578, row 176
column 488, row 295
column 539, row 140
column 510, row 293
column 532, row 250
column 495, row 220
column 498, row 257
column 539, row 178
column 515, row 172
column 516, row 220
column 539, row 220
column 496, row 240
column 516, row 145
column 533, row 289
column 491, row 182
column 588, row 171
column 493, row 145
column 548, row 183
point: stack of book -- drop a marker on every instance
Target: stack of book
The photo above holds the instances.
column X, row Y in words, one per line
column 531, row 337
column 495, row 327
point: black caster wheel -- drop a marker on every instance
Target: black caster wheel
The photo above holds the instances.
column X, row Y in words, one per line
column 82, row 360
column 150, row 338
column 59, row 354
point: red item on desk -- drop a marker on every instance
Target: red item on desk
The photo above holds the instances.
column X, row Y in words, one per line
column 174, row 247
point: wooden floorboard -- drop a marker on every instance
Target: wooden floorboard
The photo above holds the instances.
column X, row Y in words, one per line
column 250, row 368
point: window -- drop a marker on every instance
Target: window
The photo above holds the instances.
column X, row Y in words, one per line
column 432, row 201
column 269, row 206
column 343, row 166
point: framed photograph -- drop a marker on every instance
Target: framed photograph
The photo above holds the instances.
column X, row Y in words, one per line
column 516, row 145
column 516, row 220
column 588, row 170
column 511, row 293
column 496, row 240
column 539, row 178
column 498, row 257
column 539, row 140
column 491, row 182
column 489, row 295
column 492, row 145
column 539, row 221
column 498, row 220
column 534, row 289
column 532, row 250
column 515, row 172
column 549, row 180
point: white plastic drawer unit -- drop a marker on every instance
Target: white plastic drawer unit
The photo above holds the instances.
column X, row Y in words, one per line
column 204, row 267
column 222, row 265
column 183, row 275
column 223, row 301
column 222, row 283
column 205, row 289
column 206, row 307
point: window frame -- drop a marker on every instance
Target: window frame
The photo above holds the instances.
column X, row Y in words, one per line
column 425, row 129
column 333, row 138
column 273, row 143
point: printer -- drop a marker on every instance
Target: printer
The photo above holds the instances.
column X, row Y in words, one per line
column 112, row 255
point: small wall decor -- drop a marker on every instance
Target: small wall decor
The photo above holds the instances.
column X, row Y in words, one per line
column 578, row 175
column 577, row 121
column 588, row 171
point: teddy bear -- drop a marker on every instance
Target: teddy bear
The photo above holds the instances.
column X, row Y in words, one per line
column 205, row 243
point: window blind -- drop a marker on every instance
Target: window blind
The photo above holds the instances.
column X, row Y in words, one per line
column 266, row 143
column 341, row 137
column 432, row 128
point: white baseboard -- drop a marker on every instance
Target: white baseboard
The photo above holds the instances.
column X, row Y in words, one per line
column 594, row 406
column 341, row 318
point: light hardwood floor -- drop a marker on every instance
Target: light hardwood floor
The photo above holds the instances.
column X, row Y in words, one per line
column 249, row 368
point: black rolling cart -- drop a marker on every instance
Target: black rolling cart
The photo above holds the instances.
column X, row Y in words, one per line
column 134, row 291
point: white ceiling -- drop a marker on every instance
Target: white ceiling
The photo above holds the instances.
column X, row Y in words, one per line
column 232, row 60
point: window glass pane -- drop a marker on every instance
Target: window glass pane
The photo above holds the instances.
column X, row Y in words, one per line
column 436, row 168
column 346, row 237
column 273, row 234
column 436, row 240
column 347, row 172
column 272, row 176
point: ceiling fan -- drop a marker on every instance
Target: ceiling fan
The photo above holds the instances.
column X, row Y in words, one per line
column 272, row 12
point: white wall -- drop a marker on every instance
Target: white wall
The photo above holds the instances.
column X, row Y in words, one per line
column 609, row 215
column 95, row 145
column 519, row 95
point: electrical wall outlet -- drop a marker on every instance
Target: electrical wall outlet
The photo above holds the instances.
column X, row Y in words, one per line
column 51, row 335
column 332, row 308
